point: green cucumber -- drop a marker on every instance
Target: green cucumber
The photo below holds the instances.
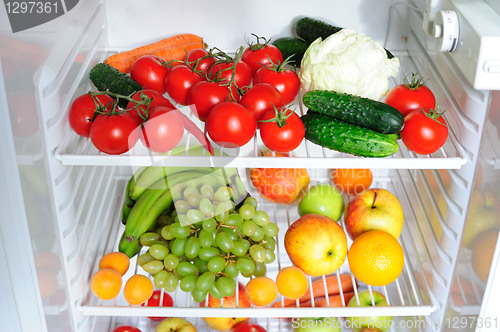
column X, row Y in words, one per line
column 310, row 29
column 344, row 137
column 107, row 78
column 363, row 112
column 292, row 47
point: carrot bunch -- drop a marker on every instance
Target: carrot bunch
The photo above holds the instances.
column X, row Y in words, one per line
column 330, row 296
column 171, row 48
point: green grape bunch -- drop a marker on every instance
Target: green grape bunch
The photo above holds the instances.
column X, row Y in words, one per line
column 207, row 242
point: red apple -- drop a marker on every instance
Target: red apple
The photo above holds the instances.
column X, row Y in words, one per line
column 248, row 327
column 227, row 323
column 280, row 185
column 316, row 244
column 374, row 209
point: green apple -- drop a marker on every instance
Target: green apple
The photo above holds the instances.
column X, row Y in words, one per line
column 382, row 323
column 323, row 199
column 327, row 324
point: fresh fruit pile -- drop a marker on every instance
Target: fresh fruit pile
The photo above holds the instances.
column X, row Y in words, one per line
column 206, row 244
column 200, row 231
column 106, row 283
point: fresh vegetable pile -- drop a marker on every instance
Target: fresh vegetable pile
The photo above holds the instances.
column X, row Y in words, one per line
column 343, row 76
column 137, row 91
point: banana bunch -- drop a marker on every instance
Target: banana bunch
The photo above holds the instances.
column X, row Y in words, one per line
column 153, row 190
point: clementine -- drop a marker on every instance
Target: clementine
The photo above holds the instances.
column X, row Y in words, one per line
column 262, row 290
column 106, row 284
column 292, row 282
column 115, row 260
column 138, row 289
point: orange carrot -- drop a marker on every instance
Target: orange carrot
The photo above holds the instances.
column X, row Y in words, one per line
column 332, row 286
column 171, row 48
column 318, row 289
column 333, row 301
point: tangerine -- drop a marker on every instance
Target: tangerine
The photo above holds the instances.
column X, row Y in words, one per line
column 138, row 289
column 262, row 290
column 351, row 181
column 376, row 258
column 292, row 282
column 115, row 260
column 106, row 284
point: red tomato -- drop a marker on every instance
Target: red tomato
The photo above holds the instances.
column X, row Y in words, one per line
column 261, row 54
column 222, row 72
column 200, row 60
column 114, row 133
column 178, row 82
column 126, row 328
column 163, row 130
column 286, row 81
column 424, row 132
column 412, row 96
column 283, row 130
column 261, row 98
column 82, row 112
column 154, row 301
column 157, row 99
column 149, row 71
column 248, row 327
column 205, row 95
column 230, row 124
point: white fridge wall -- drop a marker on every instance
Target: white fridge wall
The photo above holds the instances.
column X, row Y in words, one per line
column 228, row 24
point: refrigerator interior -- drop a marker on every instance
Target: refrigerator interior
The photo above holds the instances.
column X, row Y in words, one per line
column 71, row 195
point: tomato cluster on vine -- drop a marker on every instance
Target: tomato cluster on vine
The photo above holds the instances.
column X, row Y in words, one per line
column 238, row 93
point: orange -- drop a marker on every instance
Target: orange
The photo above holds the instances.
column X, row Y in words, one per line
column 47, row 280
column 138, row 289
column 351, row 181
column 115, row 260
column 376, row 258
column 262, row 290
column 483, row 249
column 48, row 260
column 106, row 284
column 292, row 282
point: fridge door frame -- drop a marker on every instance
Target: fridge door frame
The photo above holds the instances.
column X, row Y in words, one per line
column 21, row 304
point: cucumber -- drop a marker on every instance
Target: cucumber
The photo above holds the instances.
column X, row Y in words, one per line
column 104, row 77
column 292, row 47
column 310, row 29
column 344, row 137
column 363, row 112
